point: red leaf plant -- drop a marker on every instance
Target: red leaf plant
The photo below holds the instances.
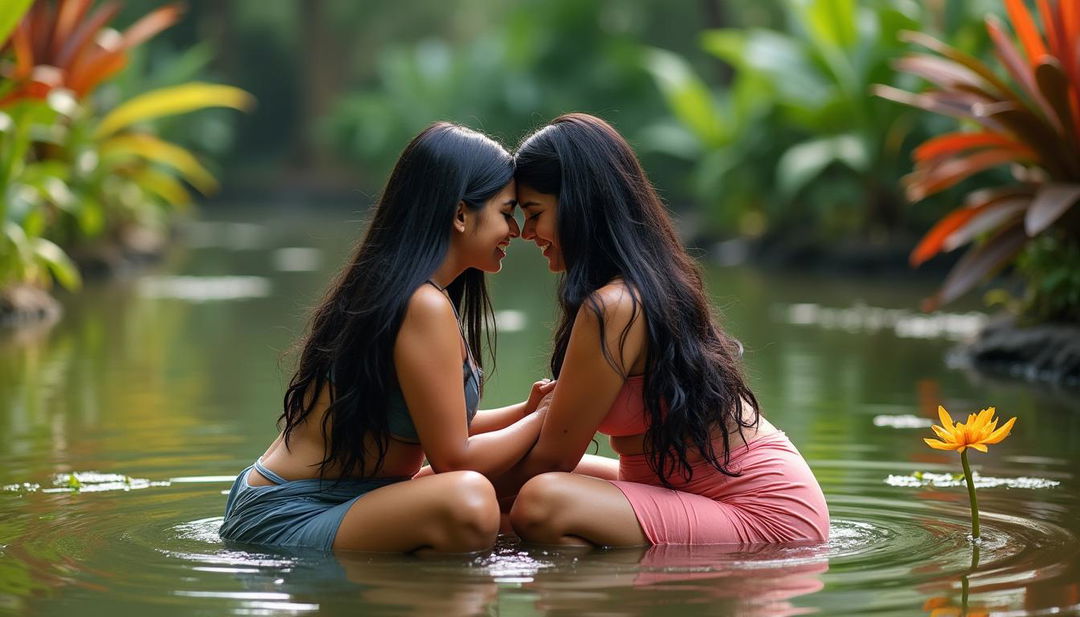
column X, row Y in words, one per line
column 64, row 44
column 1029, row 121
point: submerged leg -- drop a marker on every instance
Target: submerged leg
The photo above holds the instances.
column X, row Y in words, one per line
column 453, row 512
column 575, row 510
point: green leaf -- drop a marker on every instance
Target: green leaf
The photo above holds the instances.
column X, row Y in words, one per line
column 11, row 11
column 805, row 161
column 831, row 23
column 58, row 263
column 781, row 59
column 687, row 96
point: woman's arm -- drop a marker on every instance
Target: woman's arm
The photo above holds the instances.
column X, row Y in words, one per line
column 427, row 356
column 488, row 420
column 588, row 385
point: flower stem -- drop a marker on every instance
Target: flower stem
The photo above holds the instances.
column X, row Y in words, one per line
column 971, row 496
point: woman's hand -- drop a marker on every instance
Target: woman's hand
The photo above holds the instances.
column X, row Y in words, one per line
column 540, row 389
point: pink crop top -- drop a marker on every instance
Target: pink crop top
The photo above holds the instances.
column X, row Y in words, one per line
column 627, row 414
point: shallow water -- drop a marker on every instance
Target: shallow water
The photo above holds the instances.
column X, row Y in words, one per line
column 166, row 385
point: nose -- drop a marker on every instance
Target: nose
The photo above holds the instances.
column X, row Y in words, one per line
column 529, row 231
column 515, row 231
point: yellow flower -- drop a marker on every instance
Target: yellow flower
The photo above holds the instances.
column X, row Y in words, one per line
column 979, row 431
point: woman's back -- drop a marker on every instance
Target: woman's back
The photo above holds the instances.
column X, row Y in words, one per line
column 307, row 450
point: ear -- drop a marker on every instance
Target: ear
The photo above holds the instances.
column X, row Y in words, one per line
column 459, row 217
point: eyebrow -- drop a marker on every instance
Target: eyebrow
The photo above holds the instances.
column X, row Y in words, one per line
column 510, row 202
column 530, row 204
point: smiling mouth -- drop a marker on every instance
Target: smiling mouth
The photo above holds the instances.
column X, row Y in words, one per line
column 544, row 247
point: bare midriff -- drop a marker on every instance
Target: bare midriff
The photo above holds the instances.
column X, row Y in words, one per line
column 307, row 449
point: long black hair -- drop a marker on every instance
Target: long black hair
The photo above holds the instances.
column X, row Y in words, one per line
column 611, row 223
column 352, row 331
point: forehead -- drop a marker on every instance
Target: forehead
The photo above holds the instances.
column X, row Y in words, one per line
column 506, row 196
column 527, row 196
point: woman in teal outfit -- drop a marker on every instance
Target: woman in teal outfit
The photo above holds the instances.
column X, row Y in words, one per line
column 389, row 373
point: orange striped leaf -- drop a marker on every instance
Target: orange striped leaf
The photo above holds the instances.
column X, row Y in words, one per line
column 952, row 143
column 932, row 242
column 68, row 15
column 151, row 24
column 1026, row 30
column 927, row 181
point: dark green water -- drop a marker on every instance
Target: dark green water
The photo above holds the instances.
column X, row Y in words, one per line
column 173, row 385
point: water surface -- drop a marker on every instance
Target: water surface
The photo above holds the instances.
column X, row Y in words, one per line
column 154, row 391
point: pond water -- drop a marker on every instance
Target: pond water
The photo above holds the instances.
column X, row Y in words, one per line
column 125, row 423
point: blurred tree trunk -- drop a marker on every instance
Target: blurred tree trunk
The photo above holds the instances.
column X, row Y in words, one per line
column 715, row 16
column 322, row 76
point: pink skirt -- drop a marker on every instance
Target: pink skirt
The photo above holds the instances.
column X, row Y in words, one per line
column 775, row 499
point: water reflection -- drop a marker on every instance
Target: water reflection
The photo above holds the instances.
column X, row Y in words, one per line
column 746, row 581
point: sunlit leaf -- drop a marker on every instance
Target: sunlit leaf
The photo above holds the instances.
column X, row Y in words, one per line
column 58, row 263
column 11, row 11
column 158, row 150
column 173, row 100
column 831, row 22
column 163, row 185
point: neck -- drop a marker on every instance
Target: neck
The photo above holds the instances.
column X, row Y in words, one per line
column 447, row 272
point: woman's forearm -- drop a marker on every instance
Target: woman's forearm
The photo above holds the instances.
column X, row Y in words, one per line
column 488, row 420
column 494, row 452
column 532, row 464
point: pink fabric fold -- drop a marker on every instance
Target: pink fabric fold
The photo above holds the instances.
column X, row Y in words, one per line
column 775, row 499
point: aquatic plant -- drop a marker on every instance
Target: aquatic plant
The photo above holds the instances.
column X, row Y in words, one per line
column 1029, row 122
column 979, row 431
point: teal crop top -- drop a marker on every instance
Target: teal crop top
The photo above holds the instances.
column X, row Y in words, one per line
column 397, row 412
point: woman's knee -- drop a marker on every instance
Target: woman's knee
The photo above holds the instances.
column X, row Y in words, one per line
column 471, row 515
column 534, row 515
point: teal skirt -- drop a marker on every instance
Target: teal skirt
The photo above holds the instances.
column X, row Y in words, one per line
column 291, row 513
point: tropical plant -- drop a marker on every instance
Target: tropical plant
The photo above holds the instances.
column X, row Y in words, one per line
column 798, row 108
column 797, row 141
column 66, row 46
column 68, row 172
column 1029, row 121
column 28, row 189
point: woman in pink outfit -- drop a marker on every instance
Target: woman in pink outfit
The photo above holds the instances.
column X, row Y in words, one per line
column 638, row 356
